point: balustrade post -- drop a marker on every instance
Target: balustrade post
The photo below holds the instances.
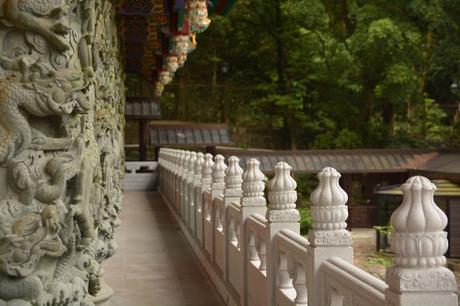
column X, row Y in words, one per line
column 172, row 171
column 206, row 180
column 179, row 157
column 189, row 205
column 217, row 189
column 419, row 276
column 196, row 193
column 232, row 193
column 184, row 195
column 281, row 214
column 253, row 202
column 164, row 174
column 218, row 176
column 207, row 172
column 328, row 236
column 160, row 170
column 170, row 181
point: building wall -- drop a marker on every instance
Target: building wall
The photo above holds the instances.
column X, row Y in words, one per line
column 61, row 149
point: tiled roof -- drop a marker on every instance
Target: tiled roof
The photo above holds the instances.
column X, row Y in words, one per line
column 444, row 162
column 142, row 108
column 345, row 161
column 188, row 134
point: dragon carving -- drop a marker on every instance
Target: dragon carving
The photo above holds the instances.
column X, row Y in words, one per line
column 61, row 149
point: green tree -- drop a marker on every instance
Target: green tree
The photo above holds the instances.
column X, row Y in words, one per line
column 326, row 74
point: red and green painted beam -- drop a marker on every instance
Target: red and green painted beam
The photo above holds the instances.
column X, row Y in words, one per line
column 221, row 7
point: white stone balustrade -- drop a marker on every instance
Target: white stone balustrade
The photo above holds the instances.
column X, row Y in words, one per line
column 419, row 243
column 255, row 255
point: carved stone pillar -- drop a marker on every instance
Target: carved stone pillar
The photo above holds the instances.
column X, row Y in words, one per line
column 419, row 276
column 206, row 178
column 218, row 175
column 190, row 205
column 232, row 193
column 252, row 202
column 61, row 150
column 233, row 180
column 281, row 214
column 328, row 236
column 197, row 192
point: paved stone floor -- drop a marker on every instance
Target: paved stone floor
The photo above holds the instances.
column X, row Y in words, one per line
column 154, row 265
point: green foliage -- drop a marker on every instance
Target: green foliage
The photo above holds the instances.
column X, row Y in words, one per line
column 305, row 220
column 326, row 74
column 382, row 259
column 384, row 229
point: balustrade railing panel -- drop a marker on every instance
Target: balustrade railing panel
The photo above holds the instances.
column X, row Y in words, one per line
column 257, row 260
column 256, row 257
column 208, row 227
column 219, row 235
column 234, row 258
column 345, row 282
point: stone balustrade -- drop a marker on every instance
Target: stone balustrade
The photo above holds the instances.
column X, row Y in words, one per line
column 255, row 255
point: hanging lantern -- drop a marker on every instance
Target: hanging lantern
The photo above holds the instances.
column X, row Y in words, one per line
column 181, row 60
column 159, row 88
column 180, row 44
column 171, row 64
column 197, row 14
column 164, row 77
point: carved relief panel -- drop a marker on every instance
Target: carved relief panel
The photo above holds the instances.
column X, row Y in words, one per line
column 61, row 149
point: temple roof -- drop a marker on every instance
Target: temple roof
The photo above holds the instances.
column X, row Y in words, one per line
column 188, row 134
column 350, row 161
column 142, row 108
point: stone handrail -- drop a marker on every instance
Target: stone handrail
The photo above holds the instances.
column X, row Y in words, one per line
column 234, row 226
column 257, row 251
column 255, row 255
column 291, row 256
column 343, row 282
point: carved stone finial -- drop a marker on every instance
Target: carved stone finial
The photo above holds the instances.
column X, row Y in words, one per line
column 218, row 174
column 207, row 171
column 253, row 180
column 418, row 212
column 420, row 243
column 183, row 162
column 199, row 163
column 191, row 164
column 282, row 196
column 329, row 211
column 178, row 160
column 418, row 239
column 233, row 175
column 198, row 167
column 253, row 185
column 218, row 169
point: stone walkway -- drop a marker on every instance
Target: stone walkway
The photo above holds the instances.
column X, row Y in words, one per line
column 154, row 265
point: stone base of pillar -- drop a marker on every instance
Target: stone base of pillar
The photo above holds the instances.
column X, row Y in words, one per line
column 103, row 297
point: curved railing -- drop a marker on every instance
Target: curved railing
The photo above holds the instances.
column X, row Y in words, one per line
column 255, row 255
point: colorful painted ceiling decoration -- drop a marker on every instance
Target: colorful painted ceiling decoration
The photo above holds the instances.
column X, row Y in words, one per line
column 158, row 35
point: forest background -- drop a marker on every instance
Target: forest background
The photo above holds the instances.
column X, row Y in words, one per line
column 327, row 74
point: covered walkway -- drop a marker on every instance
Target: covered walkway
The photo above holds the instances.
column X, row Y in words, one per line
column 154, row 265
